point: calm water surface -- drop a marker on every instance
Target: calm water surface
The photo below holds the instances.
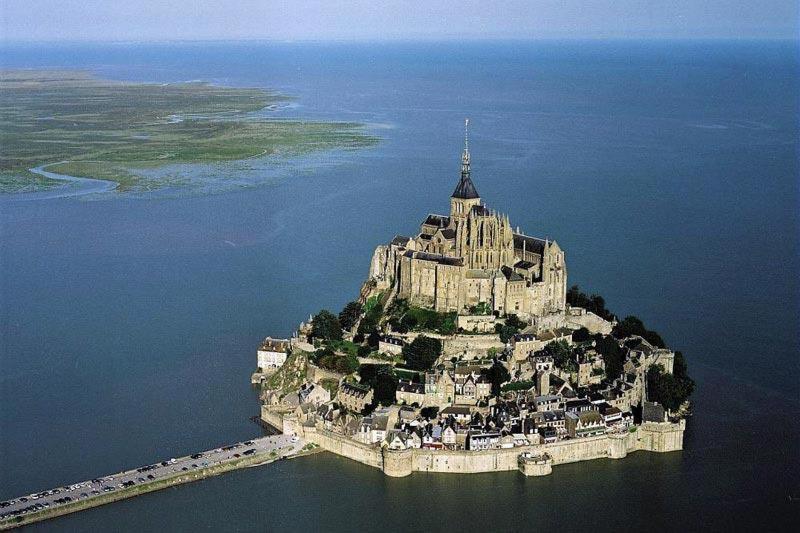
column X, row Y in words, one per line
column 668, row 172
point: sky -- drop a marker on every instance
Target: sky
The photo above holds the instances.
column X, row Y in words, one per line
column 323, row 20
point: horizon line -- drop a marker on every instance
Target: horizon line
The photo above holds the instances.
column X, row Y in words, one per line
column 356, row 40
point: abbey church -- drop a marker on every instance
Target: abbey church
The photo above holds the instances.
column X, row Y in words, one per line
column 472, row 257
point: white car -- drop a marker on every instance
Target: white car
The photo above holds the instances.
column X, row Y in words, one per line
column 295, row 438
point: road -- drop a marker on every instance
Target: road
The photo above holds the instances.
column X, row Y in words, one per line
column 267, row 447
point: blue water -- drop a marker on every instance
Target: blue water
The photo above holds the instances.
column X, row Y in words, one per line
column 667, row 170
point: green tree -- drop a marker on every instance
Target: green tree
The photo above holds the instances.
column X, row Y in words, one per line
column 497, row 375
column 560, row 351
column 515, row 322
column 364, row 351
column 670, row 390
column 350, row 315
column 385, row 386
column 632, row 325
column 429, row 412
column 422, row 352
column 326, row 326
column 613, row 356
column 581, row 335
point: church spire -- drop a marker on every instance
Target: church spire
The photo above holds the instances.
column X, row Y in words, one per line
column 465, row 155
column 465, row 188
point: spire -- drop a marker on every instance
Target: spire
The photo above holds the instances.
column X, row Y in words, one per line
column 465, row 188
column 465, row 155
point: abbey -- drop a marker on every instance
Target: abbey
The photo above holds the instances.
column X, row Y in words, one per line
column 473, row 258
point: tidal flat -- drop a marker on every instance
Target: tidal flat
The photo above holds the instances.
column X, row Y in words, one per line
column 78, row 125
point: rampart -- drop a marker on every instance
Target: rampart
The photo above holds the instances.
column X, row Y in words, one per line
column 650, row 436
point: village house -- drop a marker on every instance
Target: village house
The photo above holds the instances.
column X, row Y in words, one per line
column 483, row 440
column 272, row 353
column 462, row 414
column 390, row 345
column 313, row 394
column 354, row 397
column 584, row 423
column 547, row 402
column 410, row 393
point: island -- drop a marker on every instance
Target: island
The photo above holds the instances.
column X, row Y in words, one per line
column 467, row 352
column 70, row 123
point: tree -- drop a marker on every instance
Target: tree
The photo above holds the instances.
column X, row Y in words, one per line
column 422, row 352
column 670, row 390
column 613, row 356
column 581, row 335
column 364, row 351
column 350, row 315
column 497, row 374
column 515, row 322
column 326, row 326
column 561, row 353
column 634, row 326
column 385, row 386
column 594, row 303
column 429, row 412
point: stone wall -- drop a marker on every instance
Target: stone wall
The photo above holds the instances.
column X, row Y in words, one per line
column 651, row 436
column 475, row 346
column 338, row 444
column 316, row 374
column 578, row 317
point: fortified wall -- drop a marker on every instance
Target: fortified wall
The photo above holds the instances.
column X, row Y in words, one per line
column 657, row 437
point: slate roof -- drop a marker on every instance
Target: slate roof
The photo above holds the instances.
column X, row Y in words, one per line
column 532, row 244
column 524, row 265
column 449, row 233
column 480, row 210
column 400, row 240
column 511, row 275
column 465, row 189
column 440, row 221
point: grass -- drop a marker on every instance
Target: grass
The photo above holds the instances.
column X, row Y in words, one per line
column 87, row 127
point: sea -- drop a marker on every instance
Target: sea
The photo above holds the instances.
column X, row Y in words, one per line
column 667, row 170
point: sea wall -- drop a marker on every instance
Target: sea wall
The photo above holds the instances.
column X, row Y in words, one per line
column 650, row 436
column 346, row 447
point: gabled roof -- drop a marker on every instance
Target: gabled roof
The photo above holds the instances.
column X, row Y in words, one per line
column 400, row 240
column 532, row 244
column 440, row 221
column 465, row 189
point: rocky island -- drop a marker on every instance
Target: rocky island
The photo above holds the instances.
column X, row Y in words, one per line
column 467, row 352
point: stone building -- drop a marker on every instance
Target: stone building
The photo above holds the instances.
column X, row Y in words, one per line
column 473, row 257
column 354, row 397
column 272, row 353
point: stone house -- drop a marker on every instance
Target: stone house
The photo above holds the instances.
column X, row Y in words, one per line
column 313, row 394
column 547, row 402
column 584, row 423
column 391, row 345
column 449, row 436
column 483, row 440
column 354, row 397
column 462, row 414
column 272, row 353
column 409, row 393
